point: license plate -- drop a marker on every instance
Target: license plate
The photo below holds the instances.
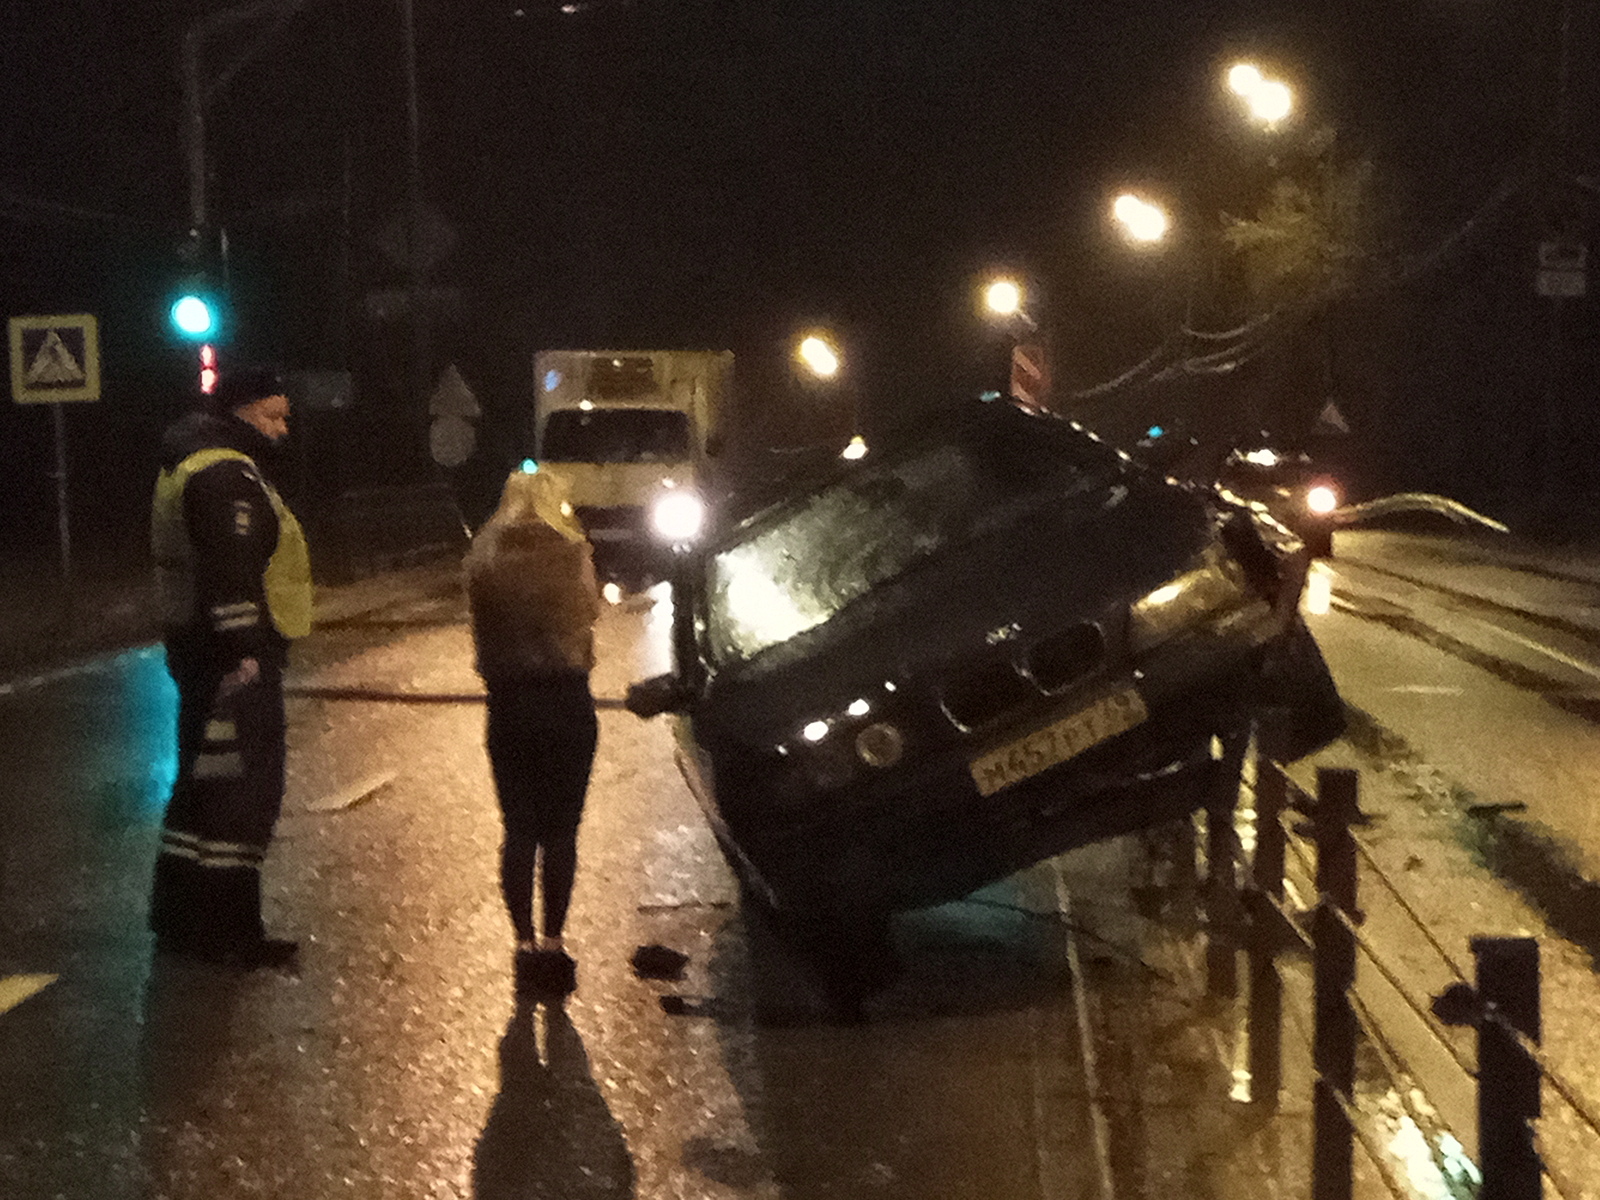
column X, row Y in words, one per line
column 1057, row 742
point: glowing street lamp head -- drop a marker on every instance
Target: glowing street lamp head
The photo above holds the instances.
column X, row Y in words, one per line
column 1141, row 220
column 1271, row 102
column 1003, row 297
column 1244, row 78
column 821, row 359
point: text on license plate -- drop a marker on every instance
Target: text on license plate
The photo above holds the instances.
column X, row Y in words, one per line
column 1059, row 741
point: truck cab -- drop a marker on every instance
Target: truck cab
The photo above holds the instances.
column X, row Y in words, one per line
column 633, row 432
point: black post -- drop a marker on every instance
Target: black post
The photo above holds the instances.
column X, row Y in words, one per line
column 1334, row 969
column 1508, row 1078
column 1184, row 880
column 1265, row 1016
column 685, row 646
column 1222, row 886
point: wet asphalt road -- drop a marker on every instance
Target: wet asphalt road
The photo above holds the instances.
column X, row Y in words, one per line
column 396, row 1062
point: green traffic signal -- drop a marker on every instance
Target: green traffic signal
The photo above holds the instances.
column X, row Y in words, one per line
column 194, row 316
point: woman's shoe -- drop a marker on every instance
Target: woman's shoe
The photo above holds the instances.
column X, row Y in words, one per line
column 532, row 975
column 563, row 972
column 544, row 974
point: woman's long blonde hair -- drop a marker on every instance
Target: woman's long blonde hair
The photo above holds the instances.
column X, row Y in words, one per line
column 538, row 496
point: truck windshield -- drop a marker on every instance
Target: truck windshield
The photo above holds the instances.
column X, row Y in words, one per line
column 616, row 435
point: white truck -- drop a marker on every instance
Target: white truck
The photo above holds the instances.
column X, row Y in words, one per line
column 633, row 432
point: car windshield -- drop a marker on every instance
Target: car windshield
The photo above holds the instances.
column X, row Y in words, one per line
column 797, row 569
column 616, row 435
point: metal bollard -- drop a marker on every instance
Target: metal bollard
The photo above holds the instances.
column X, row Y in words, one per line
column 1334, row 970
column 1508, row 1078
column 1222, row 885
column 1264, row 1018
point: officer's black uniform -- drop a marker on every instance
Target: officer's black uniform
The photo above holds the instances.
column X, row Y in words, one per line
column 234, row 583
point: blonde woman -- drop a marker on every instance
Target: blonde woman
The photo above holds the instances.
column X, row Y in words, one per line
column 534, row 599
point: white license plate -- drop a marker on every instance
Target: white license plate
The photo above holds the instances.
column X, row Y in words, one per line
column 1057, row 742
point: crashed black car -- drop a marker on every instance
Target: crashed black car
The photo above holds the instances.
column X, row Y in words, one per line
column 953, row 662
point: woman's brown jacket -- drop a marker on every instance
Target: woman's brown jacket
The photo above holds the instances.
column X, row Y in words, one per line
column 534, row 600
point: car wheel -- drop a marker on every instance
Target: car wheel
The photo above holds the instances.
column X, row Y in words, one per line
column 853, row 958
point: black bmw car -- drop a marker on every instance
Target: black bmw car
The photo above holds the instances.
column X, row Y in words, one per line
column 949, row 663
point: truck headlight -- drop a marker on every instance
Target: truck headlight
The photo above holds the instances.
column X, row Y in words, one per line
column 678, row 515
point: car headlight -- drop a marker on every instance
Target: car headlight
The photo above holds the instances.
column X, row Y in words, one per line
column 1214, row 586
column 678, row 515
column 827, row 751
column 1321, row 499
column 880, row 745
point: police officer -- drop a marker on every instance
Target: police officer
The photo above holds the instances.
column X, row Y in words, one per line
column 233, row 581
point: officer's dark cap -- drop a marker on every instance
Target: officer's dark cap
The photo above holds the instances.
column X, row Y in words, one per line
column 246, row 385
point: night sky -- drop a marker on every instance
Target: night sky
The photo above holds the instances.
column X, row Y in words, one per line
column 724, row 173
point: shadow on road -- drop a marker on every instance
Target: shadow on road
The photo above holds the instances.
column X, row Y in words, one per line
column 549, row 1131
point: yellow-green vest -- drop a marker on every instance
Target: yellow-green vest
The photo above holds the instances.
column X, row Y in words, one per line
column 287, row 581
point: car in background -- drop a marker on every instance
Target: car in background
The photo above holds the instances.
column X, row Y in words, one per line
column 1291, row 488
column 948, row 663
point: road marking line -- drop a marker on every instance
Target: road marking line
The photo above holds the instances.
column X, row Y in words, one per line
column 1091, row 1072
column 14, row 989
column 353, row 795
column 30, row 683
column 1549, row 652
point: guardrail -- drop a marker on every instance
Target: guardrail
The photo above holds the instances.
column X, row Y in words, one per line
column 1251, row 908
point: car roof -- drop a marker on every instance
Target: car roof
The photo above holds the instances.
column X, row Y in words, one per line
column 968, row 425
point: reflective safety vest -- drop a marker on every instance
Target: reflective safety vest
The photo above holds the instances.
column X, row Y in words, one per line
column 287, row 581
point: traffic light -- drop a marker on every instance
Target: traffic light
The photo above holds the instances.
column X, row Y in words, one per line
column 196, row 295
column 194, row 315
column 208, row 369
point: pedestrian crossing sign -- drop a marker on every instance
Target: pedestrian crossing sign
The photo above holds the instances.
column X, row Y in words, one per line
column 55, row 359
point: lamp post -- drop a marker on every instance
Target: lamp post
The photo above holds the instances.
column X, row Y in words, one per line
column 1004, row 299
column 196, row 95
column 820, row 364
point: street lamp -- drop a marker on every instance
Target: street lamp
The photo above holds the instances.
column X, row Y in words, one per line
column 1268, row 100
column 1005, row 301
column 818, row 355
column 1142, row 221
column 1003, row 297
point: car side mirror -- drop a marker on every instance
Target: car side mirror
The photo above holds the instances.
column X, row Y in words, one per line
column 654, row 696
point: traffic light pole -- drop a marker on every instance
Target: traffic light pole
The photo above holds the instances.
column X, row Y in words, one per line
column 196, row 96
column 420, row 349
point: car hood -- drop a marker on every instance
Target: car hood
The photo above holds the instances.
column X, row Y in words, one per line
column 1061, row 560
